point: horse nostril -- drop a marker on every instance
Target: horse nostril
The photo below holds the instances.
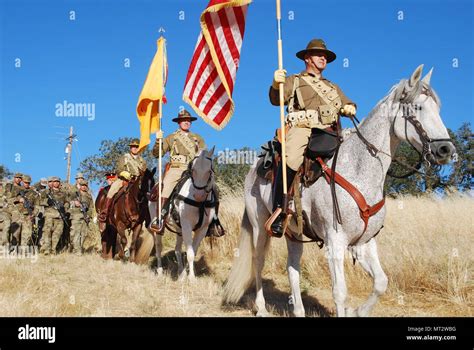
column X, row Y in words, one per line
column 443, row 151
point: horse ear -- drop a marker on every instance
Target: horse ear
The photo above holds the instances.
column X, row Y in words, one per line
column 211, row 152
column 427, row 77
column 415, row 77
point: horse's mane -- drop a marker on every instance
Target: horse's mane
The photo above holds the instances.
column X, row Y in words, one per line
column 396, row 91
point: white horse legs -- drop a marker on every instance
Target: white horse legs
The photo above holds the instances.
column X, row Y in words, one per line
column 192, row 245
column 295, row 251
column 369, row 260
column 179, row 256
column 261, row 240
column 335, row 255
column 158, row 249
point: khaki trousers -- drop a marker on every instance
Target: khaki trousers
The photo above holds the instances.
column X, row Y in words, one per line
column 170, row 180
column 296, row 142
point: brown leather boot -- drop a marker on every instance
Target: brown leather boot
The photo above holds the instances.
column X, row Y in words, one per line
column 105, row 211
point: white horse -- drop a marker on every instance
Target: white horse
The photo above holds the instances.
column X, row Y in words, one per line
column 195, row 205
column 385, row 127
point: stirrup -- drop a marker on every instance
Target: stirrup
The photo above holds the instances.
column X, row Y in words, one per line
column 271, row 219
column 215, row 229
column 157, row 226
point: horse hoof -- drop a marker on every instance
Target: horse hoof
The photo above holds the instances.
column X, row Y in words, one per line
column 350, row 312
column 298, row 313
column 263, row 313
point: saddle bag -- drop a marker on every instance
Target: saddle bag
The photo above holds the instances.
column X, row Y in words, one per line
column 322, row 143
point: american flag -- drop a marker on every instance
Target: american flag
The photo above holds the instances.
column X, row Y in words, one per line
column 211, row 75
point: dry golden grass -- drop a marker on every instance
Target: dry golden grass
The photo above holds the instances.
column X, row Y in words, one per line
column 426, row 249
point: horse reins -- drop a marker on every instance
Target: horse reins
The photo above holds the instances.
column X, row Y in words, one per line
column 424, row 157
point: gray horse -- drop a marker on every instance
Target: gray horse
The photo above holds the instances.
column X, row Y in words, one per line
column 196, row 207
column 386, row 126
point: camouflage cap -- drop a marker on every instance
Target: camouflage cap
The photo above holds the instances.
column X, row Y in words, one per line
column 83, row 182
column 55, row 178
column 79, row 176
column 134, row 142
column 26, row 178
column 18, row 175
column 44, row 181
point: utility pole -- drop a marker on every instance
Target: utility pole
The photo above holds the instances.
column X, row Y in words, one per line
column 70, row 140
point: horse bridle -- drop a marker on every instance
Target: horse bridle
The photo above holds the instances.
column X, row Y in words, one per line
column 425, row 157
column 207, row 187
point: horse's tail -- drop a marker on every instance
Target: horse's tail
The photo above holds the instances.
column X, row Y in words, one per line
column 242, row 272
column 144, row 247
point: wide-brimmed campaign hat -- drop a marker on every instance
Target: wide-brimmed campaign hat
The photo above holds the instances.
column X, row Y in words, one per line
column 184, row 115
column 317, row 45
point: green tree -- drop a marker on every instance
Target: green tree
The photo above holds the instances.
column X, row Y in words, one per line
column 4, row 172
column 232, row 166
column 94, row 167
column 461, row 176
column 408, row 185
column 458, row 174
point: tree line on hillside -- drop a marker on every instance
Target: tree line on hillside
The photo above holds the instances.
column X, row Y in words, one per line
column 458, row 175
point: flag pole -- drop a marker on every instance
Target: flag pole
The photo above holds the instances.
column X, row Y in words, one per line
column 282, row 109
column 159, row 135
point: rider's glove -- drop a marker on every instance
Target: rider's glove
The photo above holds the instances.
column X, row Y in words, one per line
column 278, row 77
column 348, row 110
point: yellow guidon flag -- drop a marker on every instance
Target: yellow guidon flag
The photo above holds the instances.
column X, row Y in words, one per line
column 152, row 95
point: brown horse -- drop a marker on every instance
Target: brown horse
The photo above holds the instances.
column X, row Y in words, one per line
column 129, row 211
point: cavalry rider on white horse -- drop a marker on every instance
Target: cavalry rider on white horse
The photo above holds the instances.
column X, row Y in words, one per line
column 183, row 146
column 313, row 102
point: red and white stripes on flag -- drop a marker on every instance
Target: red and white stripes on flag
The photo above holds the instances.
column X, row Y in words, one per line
column 211, row 75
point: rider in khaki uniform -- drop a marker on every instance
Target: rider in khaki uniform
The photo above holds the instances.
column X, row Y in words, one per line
column 22, row 228
column 82, row 201
column 313, row 102
column 54, row 224
column 183, row 145
column 129, row 165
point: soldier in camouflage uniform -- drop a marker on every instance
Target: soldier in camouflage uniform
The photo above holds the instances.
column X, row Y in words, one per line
column 81, row 213
column 128, row 166
column 11, row 190
column 54, row 224
column 5, row 218
column 24, row 210
column 41, row 185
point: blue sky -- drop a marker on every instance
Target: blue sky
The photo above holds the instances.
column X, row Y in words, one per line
column 82, row 61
